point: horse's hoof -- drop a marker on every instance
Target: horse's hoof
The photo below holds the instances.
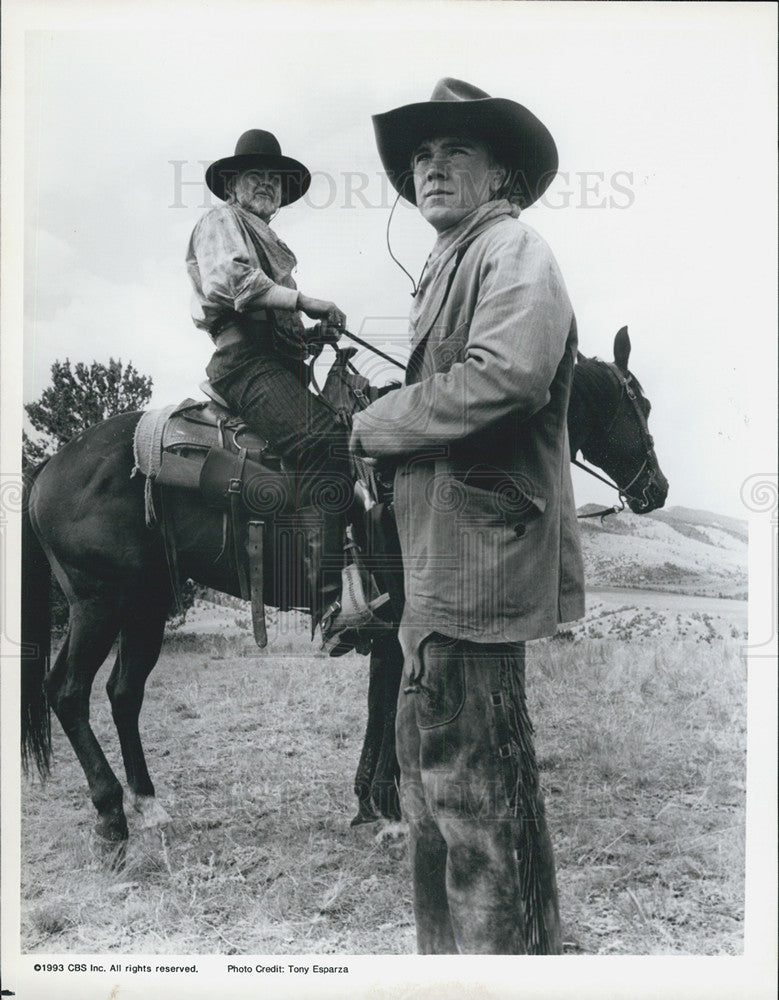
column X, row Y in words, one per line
column 364, row 815
column 152, row 813
column 111, row 853
column 392, row 833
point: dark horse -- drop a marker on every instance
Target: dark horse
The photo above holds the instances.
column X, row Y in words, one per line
column 85, row 521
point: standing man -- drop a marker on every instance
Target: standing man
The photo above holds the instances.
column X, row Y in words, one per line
column 485, row 514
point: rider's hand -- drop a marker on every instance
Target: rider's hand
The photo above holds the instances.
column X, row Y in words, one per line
column 332, row 317
column 322, row 334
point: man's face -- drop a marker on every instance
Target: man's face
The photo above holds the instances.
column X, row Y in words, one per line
column 452, row 177
column 259, row 192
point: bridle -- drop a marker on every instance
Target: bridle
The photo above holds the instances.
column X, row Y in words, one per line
column 625, row 380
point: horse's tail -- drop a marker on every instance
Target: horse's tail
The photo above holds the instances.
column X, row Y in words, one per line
column 36, row 641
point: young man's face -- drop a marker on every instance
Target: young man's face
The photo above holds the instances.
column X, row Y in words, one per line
column 259, row 192
column 452, row 177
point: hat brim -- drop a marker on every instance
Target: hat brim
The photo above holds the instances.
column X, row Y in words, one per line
column 295, row 178
column 517, row 138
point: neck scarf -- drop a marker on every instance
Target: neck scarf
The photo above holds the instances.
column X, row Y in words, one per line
column 450, row 240
column 274, row 255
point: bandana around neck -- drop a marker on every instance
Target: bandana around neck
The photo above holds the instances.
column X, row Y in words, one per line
column 279, row 257
column 450, row 240
column 452, row 237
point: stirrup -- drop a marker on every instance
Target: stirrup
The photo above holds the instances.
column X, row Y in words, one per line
column 349, row 632
column 349, row 621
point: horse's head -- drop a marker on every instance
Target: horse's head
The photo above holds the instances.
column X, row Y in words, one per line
column 609, row 414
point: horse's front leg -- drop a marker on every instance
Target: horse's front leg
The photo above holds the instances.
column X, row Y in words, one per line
column 376, row 781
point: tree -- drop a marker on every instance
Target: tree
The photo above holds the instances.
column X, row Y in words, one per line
column 79, row 397
column 76, row 399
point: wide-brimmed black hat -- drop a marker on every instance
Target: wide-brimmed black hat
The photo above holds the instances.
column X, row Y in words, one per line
column 260, row 150
column 516, row 137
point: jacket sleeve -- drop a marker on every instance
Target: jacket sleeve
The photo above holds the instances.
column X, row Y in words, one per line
column 516, row 339
column 227, row 276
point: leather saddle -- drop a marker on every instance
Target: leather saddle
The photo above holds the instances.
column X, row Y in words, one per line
column 195, row 429
column 207, row 448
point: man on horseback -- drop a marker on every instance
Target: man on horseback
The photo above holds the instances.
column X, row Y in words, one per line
column 246, row 300
column 485, row 514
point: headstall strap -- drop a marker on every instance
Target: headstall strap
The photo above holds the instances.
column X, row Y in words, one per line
column 624, row 381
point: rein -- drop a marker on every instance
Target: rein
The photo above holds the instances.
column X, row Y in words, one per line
column 616, row 509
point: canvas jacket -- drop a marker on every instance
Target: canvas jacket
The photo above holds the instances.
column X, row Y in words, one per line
column 483, row 496
column 226, row 272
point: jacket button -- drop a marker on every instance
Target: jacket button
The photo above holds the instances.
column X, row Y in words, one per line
column 519, row 530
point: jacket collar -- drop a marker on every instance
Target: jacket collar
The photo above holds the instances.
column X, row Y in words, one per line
column 444, row 257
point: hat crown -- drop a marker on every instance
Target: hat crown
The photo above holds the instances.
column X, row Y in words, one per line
column 257, row 142
column 258, row 149
column 449, row 89
column 516, row 137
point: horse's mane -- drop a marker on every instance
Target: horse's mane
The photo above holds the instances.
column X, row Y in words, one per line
column 595, row 381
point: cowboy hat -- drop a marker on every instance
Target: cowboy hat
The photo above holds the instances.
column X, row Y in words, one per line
column 514, row 135
column 260, row 150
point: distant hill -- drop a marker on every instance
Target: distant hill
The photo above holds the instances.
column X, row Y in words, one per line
column 677, row 549
column 695, row 519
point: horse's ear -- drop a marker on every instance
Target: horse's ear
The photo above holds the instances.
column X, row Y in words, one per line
column 580, row 357
column 622, row 349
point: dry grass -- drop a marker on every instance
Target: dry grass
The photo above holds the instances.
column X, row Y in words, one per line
column 642, row 750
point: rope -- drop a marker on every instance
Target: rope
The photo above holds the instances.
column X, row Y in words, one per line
column 414, row 285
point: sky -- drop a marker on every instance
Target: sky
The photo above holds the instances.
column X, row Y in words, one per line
column 662, row 217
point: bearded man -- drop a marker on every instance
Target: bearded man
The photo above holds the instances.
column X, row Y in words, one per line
column 245, row 298
column 485, row 514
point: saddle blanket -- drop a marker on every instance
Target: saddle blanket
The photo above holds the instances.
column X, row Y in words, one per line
column 147, row 441
column 148, row 446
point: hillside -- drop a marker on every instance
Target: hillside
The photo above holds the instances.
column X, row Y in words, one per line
column 677, row 550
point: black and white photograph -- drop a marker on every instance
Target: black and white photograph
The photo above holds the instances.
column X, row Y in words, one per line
column 388, row 500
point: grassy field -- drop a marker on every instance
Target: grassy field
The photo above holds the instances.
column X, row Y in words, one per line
column 642, row 751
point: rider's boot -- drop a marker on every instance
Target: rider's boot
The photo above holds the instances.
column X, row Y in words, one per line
column 344, row 598
column 354, row 618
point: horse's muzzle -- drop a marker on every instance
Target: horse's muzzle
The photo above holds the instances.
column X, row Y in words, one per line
column 649, row 494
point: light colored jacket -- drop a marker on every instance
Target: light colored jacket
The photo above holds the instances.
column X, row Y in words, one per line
column 483, row 496
column 226, row 271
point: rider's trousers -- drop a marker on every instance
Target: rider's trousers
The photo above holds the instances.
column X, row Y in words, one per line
column 270, row 394
column 482, row 864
